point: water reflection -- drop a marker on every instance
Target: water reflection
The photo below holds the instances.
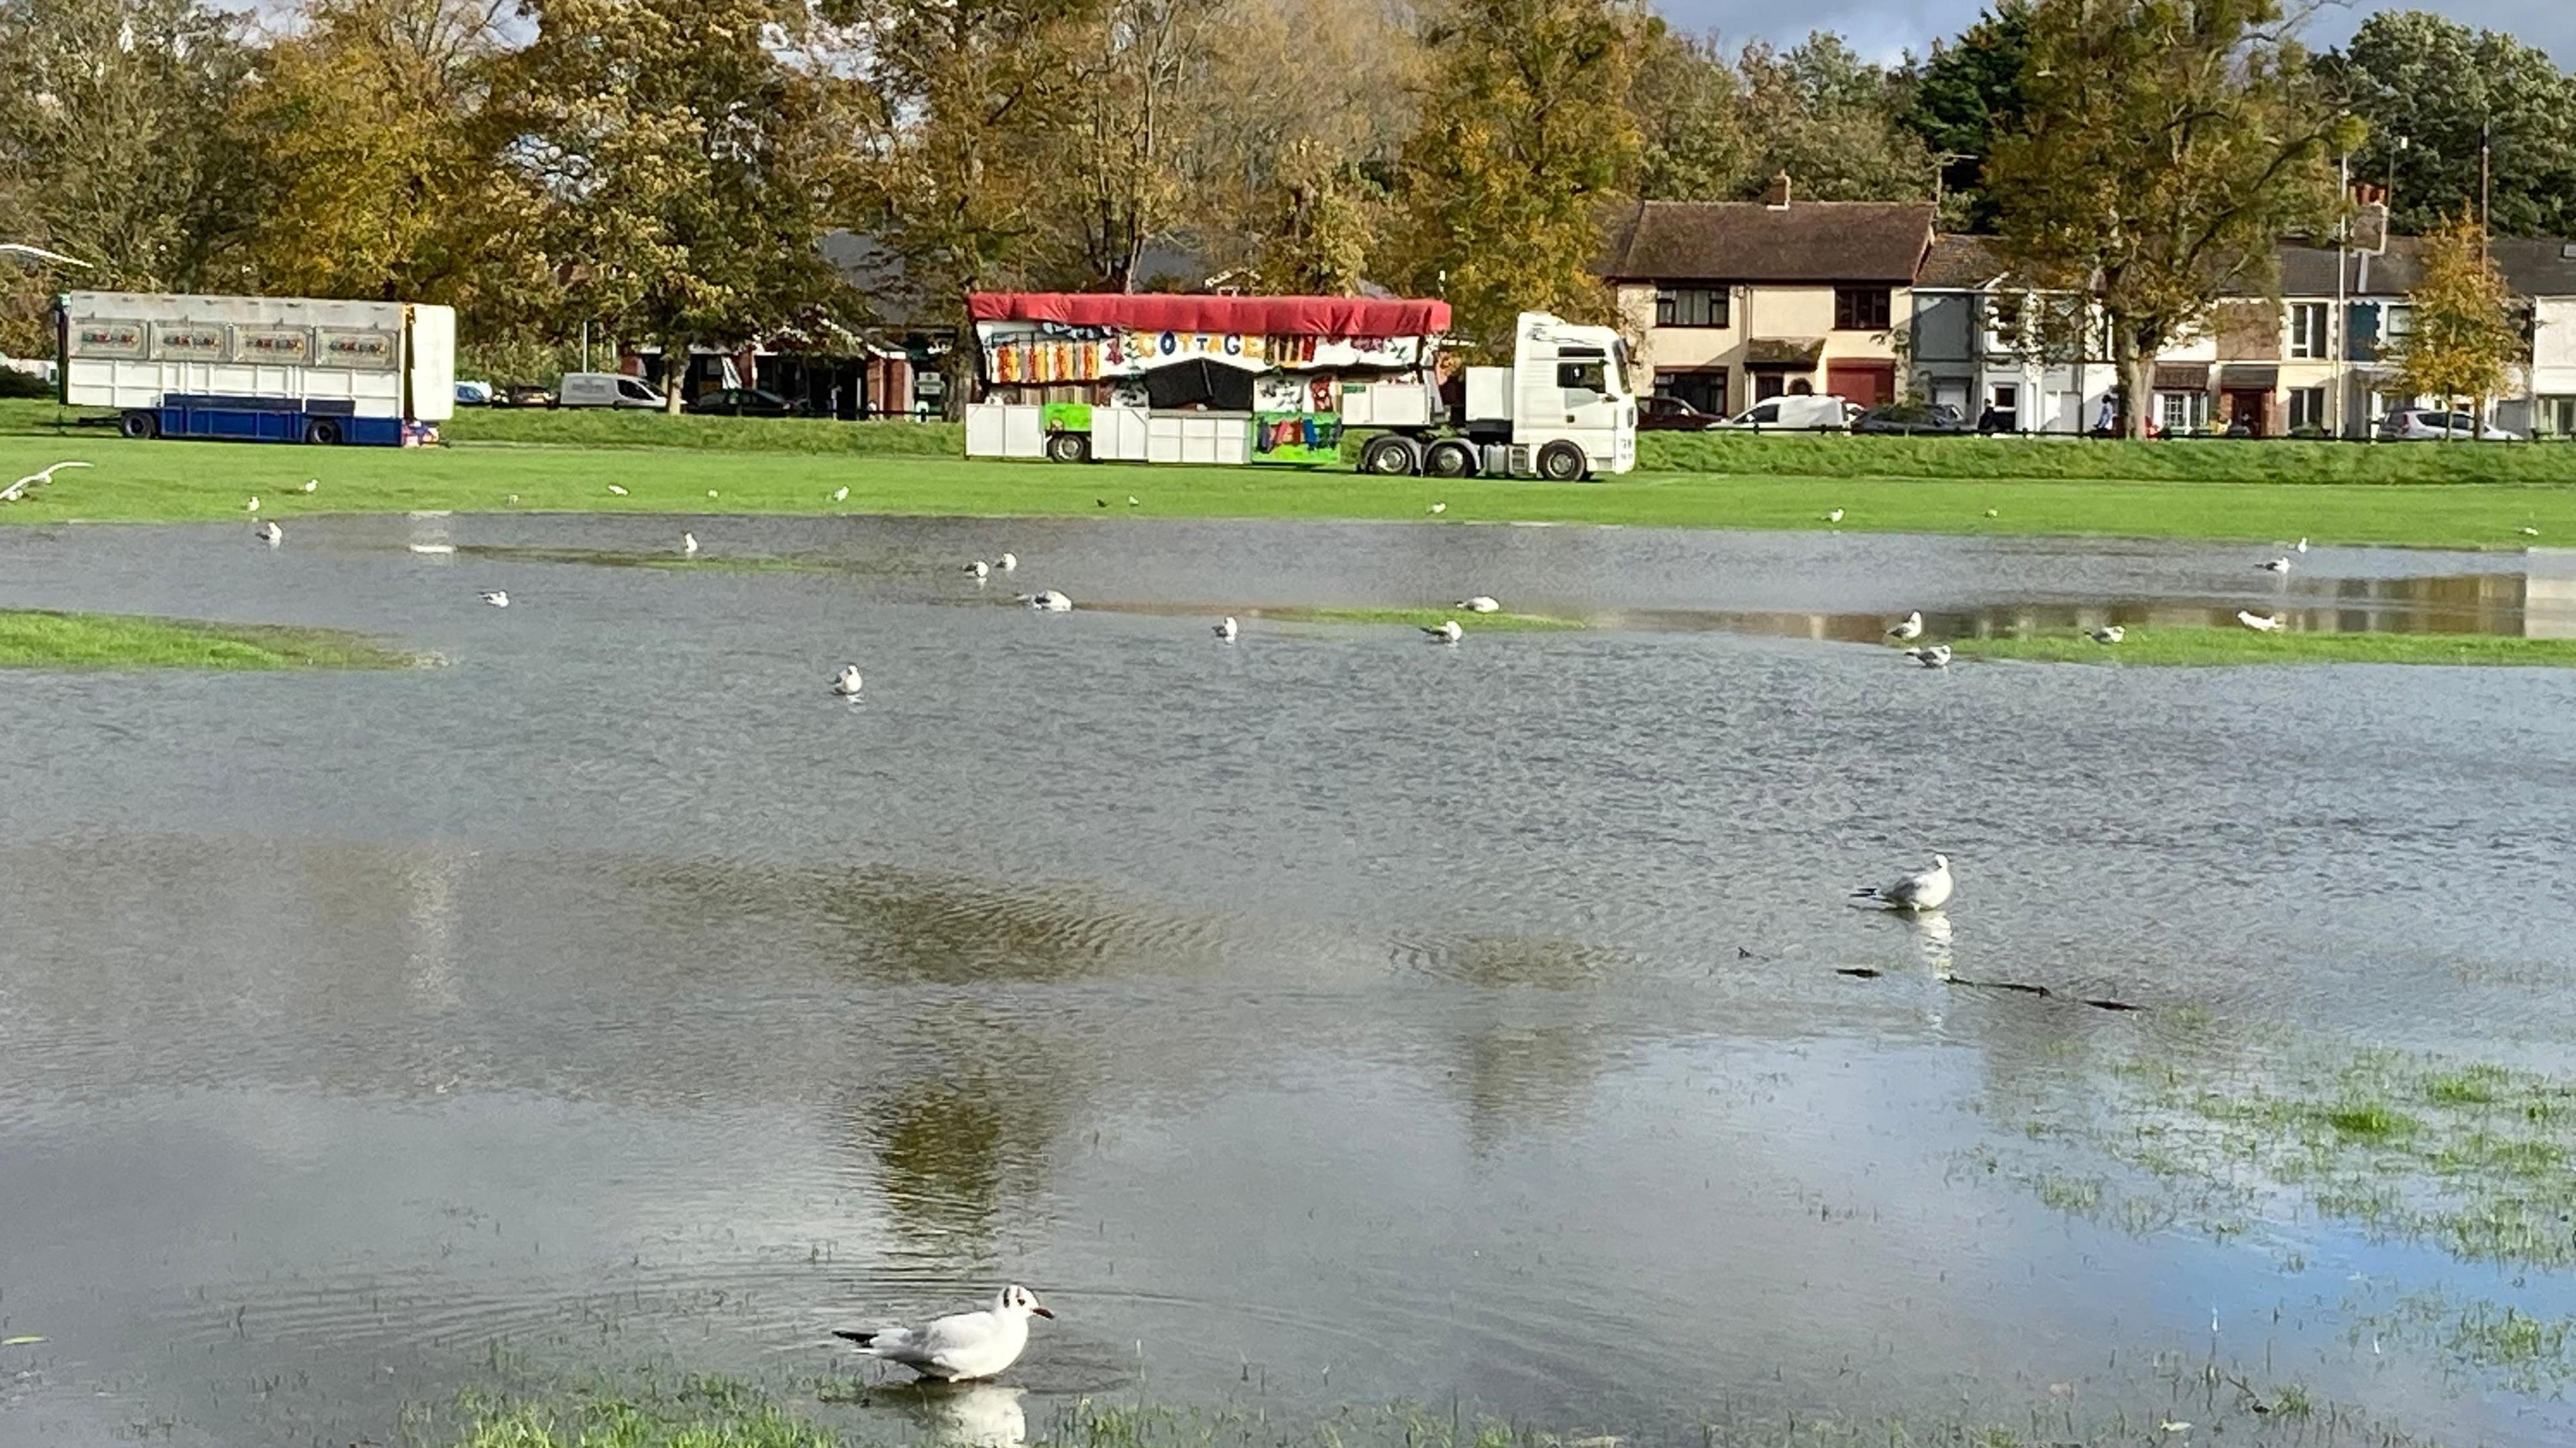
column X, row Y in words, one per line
column 968, row 1415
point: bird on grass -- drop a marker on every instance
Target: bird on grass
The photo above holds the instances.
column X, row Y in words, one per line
column 1050, row 601
column 961, row 1347
column 2109, row 633
column 2275, row 565
column 1008, row 562
column 1447, row 633
column 2259, row 622
column 1226, row 628
column 1922, row 890
column 1908, row 628
column 312, row 483
column 497, row 597
column 840, row 495
column 1835, row 516
column 43, row 476
column 1100, row 502
column 1131, row 501
column 253, row 505
column 1438, row 508
column 846, row 682
column 688, row 545
column 979, row 568
column 1937, row 656
column 1481, row 603
column 269, row 533
column 1993, row 513
column 2527, row 532
column 616, row 490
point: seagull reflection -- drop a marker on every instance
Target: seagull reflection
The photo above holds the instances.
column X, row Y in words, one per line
column 972, row 1415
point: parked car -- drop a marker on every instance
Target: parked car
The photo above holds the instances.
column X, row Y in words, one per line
column 1797, row 413
column 2413, row 425
column 474, row 394
column 606, row 389
column 1671, row 414
column 1909, row 418
column 746, row 402
column 523, row 394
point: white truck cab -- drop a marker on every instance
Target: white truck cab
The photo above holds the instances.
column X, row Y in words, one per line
column 1564, row 401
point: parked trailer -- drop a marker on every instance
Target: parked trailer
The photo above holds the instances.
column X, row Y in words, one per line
column 1277, row 380
column 264, row 369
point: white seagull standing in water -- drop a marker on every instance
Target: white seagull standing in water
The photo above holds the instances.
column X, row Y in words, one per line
column 979, row 568
column 1908, row 628
column 1922, row 890
column 688, row 545
column 1447, row 633
column 846, row 682
column 2276, row 565
column 2260, row 623
column 961, row 1347
column 1008, row 562
column 1050, row 601
column 269, row 533
column 46, row 475
column 1226, row 629
column 497, row 597
column 1937, row 656
column 1481, row 603
column 2109, row 633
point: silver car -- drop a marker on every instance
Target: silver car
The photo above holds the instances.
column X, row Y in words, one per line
column 2414, row 425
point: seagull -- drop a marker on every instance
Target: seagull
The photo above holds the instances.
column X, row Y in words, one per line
column 688, row 544
column 1131, row 501
column 961, row 1347
column 2109, row 633
column 613, row 488
column 2260, row 623
column 1835, row 516
column 40, row 478
column 512, row 500
column 2275, row 565
column 2301, row 547
column 497, row 597
column 1439, row 508
column 252, row 506
column 1935, row 657
column 841, row 495
column 1922, row 890
column 2527, row 532
column 1992, row 513
column 269, row 533
column 1908, row 628
column 312, row 483
column 711, row 492
column 1050, row 601
column 1100, row 502
column 846, row 683
column 1447, row 633
column 1008, row 562
column 1481, row 603
column 1226, row 629
column 979, row 568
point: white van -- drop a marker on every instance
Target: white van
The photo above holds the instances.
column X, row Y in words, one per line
column 605, row 389
column 1796, row 413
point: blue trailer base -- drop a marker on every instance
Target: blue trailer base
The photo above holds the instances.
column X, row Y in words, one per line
column 271, row 419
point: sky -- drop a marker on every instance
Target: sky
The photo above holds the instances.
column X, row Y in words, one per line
column 1881, row 29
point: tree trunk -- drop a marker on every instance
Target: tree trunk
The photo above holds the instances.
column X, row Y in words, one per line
column 675, row 373
column 2134, row 397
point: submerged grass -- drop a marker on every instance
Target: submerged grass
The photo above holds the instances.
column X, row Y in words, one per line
column 2166, row 647
column 1423, row 618
column 38, row 639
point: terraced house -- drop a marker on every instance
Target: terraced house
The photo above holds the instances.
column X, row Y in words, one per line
column 1730, row 303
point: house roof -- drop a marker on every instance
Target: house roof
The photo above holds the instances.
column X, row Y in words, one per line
column 1962, row 262
column 1747, row 241
column 2532, row 267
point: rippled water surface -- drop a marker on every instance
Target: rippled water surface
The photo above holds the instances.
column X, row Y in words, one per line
column 1324, row 1018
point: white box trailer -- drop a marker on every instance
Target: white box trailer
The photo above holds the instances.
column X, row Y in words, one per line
column 272, row 369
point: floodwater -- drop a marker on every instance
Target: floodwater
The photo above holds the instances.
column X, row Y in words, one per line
column 1329, row 1018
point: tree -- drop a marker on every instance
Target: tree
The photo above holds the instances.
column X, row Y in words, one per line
column 1688, row 105
column 2465, row 333
column 2166, row 146
column 1525, row 139
column 1119, row 159
column 1966, row 97
column 1828, row 118
column 686, row 167
column 2432, row 90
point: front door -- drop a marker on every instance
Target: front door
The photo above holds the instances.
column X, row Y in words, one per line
column 1867, row 384
column 2247, row 413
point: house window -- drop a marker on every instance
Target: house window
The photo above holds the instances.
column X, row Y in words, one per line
column 2398, row 323
column 1692, row 307
column 2307, row 409
column 1704, row 390
column 2554, row 417
column 2182, row 412
column 1860, row 309
column 2309, row 337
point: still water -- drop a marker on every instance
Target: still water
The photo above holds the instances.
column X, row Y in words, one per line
column 1327, row 1018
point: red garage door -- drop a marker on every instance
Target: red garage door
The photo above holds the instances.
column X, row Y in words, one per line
column 1865, row 383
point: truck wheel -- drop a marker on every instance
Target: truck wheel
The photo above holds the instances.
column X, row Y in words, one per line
column 139, row 425
column 1390, row 455
column 1450, row 458
column 321, row 432
column 1561, row 462
column 1069, row 447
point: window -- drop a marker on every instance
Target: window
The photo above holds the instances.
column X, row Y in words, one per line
column 1692, row 307
column 2399, row 324
column 1860, row 309
column 1703, row 390
column 2309, row 334
column 1582, row 377
column 2307, row 409
column 1765, row 415
column 2554, row 417
column 2182, row 412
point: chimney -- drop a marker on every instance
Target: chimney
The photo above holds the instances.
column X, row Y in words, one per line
column 1777, row 198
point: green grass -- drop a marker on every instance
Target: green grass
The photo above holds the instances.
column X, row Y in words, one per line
column 2222, row 647
column 2451, row 497
column 1423, row 618
column 35, row 639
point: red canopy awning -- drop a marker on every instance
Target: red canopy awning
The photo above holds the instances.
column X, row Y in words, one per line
column 1250, row 316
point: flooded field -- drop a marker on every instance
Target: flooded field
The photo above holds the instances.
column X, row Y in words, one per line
column 1321, row 1019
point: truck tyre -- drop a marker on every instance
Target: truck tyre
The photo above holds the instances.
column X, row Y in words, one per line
column 322, row 432
column 139, row 425
column 1561, row 462
column 1390, row 455
column 1450, row 458
column 1069, row 447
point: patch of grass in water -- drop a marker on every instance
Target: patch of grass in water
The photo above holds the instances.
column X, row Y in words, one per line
column 2234, row 647
column 42, row 639
column 1423, row 618
column 2369, row 1120
column 2529, row 1353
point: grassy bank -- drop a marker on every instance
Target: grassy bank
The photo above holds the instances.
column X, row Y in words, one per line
column 31, row 639
column 166, row 481
column 2222, row 647
column 1422, row 618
